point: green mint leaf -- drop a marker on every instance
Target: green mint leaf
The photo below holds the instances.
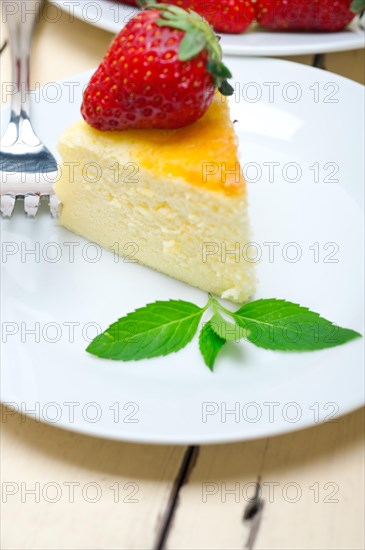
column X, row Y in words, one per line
column 226, row 330
column 156, row 329
column 280, row 325
column 210, row 344
column 357, row 6
column 191, row 45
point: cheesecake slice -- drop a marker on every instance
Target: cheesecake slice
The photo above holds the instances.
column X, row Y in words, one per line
column 175, row 199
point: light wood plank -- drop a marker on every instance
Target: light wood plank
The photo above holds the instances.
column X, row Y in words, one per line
column 350, row 64
column 326, row 454
column 327, row 464
column 34, row 453
column 212, row 504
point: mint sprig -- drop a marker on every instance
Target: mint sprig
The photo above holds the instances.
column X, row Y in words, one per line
column 162, row 328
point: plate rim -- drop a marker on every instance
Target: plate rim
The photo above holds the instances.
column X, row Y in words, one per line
column 256, row 51
column 219, row 438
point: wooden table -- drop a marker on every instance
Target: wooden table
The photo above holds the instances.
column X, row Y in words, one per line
column 91, row 493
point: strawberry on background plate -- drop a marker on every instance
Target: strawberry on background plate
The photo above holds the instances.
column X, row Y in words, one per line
column 307, row 15
column 161, row 71
column 229, row 16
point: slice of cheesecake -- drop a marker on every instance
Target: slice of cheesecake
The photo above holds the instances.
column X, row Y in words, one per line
column 177, row 195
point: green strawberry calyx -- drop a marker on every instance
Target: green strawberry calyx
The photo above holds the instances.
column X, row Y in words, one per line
column 199, row 35
column 357, row 6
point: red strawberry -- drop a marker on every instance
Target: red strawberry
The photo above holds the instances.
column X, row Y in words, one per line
column 161, row 71
column 307, row 15
column 230, row 16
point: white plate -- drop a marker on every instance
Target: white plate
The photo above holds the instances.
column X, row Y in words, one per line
column 166, row 396
column 112, row 16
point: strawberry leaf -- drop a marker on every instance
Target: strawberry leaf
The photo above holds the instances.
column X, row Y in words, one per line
column 225, row 88
column 210, row 344
column 357, row 6
column 218, row 69
column 191, row 45
column 220, row 73
column 156, row 329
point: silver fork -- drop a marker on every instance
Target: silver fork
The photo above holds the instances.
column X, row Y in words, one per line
column 27, row 168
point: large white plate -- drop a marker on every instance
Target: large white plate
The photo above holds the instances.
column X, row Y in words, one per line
column 112, row 16
column 166, row 397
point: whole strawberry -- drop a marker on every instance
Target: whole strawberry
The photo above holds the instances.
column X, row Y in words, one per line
column 229, row 16
column 307, row 15
column 161, row 71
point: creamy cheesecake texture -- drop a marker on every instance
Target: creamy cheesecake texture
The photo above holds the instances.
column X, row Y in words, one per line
column 177, row 195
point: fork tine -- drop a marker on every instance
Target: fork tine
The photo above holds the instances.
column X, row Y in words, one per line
column 31, row 204
column 27, row 167
column 7, row 203
column 54, row 206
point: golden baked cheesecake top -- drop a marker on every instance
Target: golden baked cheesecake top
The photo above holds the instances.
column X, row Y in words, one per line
column 203, row 153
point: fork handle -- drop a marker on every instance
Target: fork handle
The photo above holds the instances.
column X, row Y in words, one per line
column 20, row 17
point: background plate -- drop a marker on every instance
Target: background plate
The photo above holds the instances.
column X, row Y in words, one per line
column 301, row 144
column 112, row 17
